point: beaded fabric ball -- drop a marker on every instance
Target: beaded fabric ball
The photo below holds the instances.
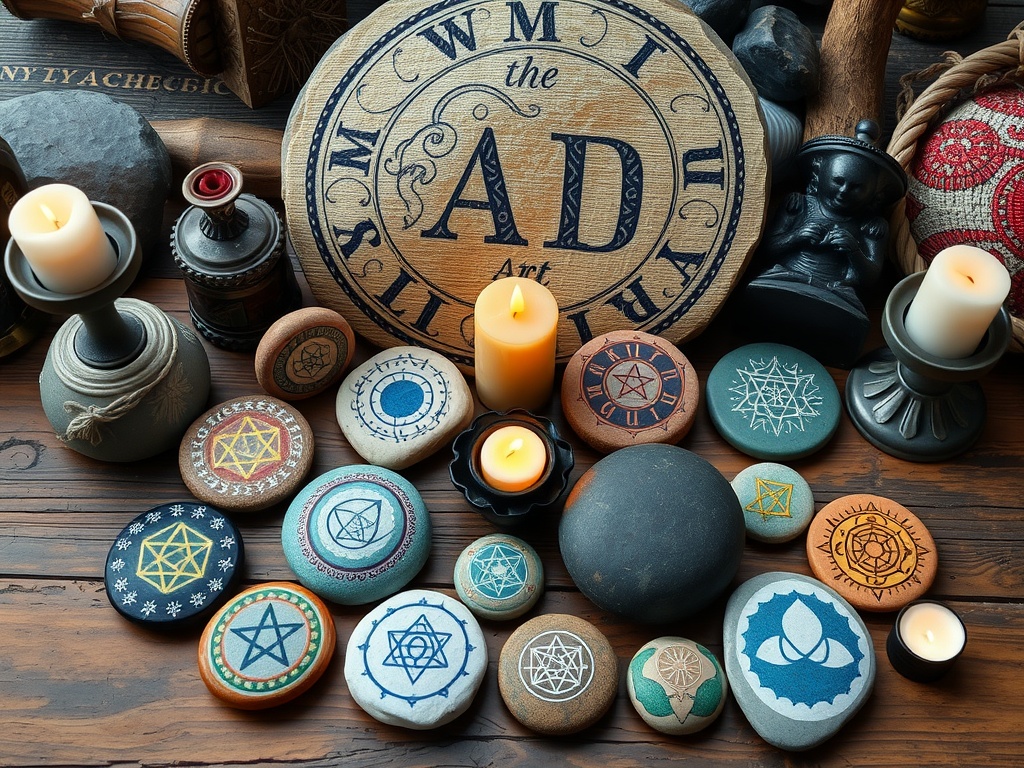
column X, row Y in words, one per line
column 967, row 183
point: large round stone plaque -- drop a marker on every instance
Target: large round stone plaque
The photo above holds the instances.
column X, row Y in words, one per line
column 612, row 151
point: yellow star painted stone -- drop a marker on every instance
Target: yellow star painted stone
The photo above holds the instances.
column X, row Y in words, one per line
column 173, row 557
column 772, row 499
column 253, row 444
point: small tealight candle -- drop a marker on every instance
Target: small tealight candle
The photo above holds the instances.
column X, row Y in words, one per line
column 512, row 459
column 516, row 325
column 961, row 293
column 925, row 641
column 59, row 232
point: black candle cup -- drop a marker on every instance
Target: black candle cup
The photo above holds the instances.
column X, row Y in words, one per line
column 912, row 665
column 510, row 508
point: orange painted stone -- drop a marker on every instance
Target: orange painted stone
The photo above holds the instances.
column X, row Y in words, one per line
column 614, row 152
column 628, row 387
column 874, row 552
column 266, row 646
column 304, row 353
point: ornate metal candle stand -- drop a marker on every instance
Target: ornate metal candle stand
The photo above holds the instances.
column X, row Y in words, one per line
column 122, row 380
column 912, row 404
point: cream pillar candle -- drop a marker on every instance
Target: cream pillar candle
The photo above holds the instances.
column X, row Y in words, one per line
column 57, row 229
column 961, row 293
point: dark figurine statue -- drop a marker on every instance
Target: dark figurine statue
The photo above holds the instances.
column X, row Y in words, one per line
column 825, row 248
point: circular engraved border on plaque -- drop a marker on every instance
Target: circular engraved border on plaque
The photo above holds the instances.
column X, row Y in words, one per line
column 611, row 151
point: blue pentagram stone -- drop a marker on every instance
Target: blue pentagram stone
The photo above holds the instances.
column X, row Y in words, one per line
column 777, row 502
column 416, row 660
column 174, row 565
column 652, row 532
column 773, row 402
column 356, row 534
column 499, row 577
column 798, row 657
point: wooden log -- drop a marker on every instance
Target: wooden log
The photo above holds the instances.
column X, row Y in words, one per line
column 854, row 50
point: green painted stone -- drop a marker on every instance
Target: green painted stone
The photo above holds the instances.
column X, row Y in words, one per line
column 773, row 402
column 499, row 577
column 777, row 502
column 676, row 685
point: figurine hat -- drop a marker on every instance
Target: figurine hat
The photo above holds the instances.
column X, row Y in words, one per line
column 892, row 180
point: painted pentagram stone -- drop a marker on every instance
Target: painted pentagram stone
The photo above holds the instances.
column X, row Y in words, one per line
column 613, row 152
column 266, row 646
column 557, row 674
column 628, row 387
column 499, row 577
column 874, row 552
column 304, row 353
column 799, row 659
column 416, row 660
column 173, row 565
column 652, row 532
column 247, row 453
column 773, row 402
column 356, row 534
column 777, row 502
column 676, row 685
column 402, row 405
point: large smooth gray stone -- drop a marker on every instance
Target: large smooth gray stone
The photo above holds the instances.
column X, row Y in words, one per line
column 103, row 147
column 779, row 54
column 799, row 659
column 652, row 532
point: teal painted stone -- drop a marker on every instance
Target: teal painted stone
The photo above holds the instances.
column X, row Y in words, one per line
column 416, row 660
column 799, row 659
column 676, row 685
column 652, row 532
column 773, row 402
column 499, row 577
column 777, row 502
column 356, row 534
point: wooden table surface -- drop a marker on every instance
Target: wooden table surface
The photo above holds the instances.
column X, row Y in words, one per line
column 79, row 685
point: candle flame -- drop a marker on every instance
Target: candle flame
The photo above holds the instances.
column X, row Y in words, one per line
column 516, row 444
column 50, row 215
column 517, row 303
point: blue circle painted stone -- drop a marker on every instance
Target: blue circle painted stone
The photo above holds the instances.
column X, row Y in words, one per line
column 416, row 660
column 173, row 565
column 499, row 577
column 773, row 402
column 652, row 532
column 356, row 534
column 777, row 502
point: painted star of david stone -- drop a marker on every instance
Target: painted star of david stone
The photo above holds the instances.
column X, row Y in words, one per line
column 777, row 398
column 276, row 633
column 417, row 648
column 498, row 571
column 173, row 557
column 556, row 668
column 252, row 444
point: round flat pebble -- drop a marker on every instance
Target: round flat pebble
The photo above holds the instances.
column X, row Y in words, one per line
column 304, row 353
column 874, row 552
column 402, row 405
column 173, row 565
column 558, row 674
column 356, row 534
column 628, row 387
column 246, row 454
column 499, row 577
column 416, row 660
column 266, row 646
column 773, row 402
column 676, row 685
column 777, row 502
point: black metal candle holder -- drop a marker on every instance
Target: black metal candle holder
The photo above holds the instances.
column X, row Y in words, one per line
column 915, row 405
column 510, row 508
column 908, row 663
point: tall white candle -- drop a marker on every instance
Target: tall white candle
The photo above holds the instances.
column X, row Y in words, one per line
column 60, row 234
column 932, row 631
column 960, row 294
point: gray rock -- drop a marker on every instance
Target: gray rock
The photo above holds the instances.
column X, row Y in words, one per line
column 779, row 54
column 103, row 147
column 799, row 659
column 723, row 16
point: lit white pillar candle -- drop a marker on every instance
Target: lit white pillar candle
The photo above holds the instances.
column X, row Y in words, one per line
column 932, row 631
column 57, row 229
column 958, row 298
